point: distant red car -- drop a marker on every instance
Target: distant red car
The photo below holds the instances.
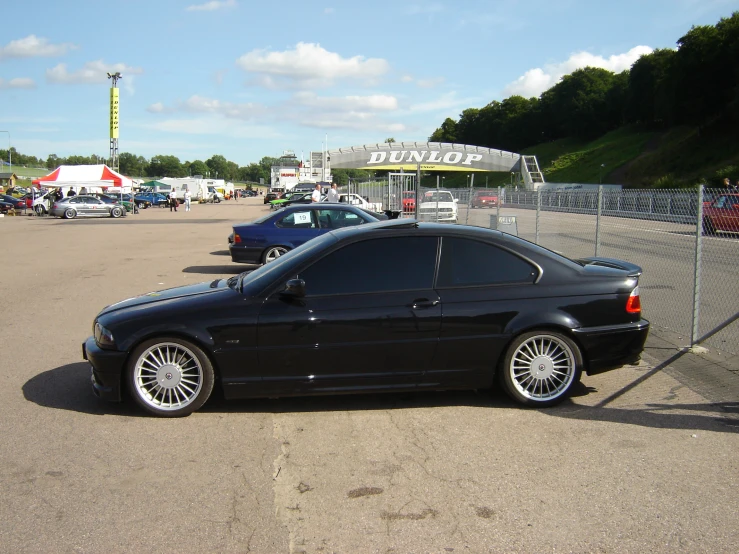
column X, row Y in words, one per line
column 722, row 215
column 409, row 201
column 484, row 199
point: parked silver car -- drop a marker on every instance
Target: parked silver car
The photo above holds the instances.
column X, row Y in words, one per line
column 85, row 206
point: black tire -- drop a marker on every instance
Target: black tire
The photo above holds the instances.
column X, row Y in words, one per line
column 167, row 372
column 543, row 360
column 69, row 213
column 116, row 212
column 708, row 228
column 39, row 209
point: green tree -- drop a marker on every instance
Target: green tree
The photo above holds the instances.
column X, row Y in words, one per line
column 198, row 167
column 165, row 166
column 446, row 133
column 218, row 166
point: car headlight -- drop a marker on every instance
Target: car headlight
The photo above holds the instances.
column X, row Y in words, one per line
column 103, row 337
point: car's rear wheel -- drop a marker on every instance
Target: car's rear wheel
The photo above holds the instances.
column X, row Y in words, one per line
column 170, row 377
column 708, row 228
column 69, row 213
column 274, row 252
column 540, row 368
column 39, row 209
column 116, row 212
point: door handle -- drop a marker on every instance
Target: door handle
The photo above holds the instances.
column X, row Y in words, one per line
column 424, row 303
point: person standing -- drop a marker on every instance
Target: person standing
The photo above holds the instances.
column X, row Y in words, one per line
column 333, row 194
column 188, row 199
column 316, row 195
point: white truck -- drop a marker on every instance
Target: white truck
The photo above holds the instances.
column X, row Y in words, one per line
column 359, row 202
column 438, row 205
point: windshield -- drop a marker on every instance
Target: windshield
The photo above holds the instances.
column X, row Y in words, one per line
column 253, row 282
column 443, row 196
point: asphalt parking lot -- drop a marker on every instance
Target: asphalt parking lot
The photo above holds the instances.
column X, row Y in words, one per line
column 638, row 460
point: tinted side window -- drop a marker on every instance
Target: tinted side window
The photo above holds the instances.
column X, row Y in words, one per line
column 377, row 265
column 467, row 262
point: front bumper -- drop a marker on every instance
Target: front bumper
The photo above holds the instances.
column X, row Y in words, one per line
column 612, row 346
column 444, row 217
column 245, row 254
column 107, row 368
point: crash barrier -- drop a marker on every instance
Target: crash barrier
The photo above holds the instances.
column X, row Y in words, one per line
column 689, row 289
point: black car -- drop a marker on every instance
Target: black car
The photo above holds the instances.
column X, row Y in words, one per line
column 390, row 306
column 269, row 197
column 17, row 203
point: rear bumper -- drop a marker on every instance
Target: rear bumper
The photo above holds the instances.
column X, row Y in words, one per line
column 107, row 368
column 612, row 346
column 246, row 254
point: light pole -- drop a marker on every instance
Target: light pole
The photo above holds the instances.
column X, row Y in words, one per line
column 600, row 173
column 114, row 111
column 512, row 175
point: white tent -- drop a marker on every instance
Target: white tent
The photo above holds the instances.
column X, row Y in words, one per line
column 90, row 177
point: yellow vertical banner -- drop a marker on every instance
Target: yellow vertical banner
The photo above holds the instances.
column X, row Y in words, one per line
column 114, row 113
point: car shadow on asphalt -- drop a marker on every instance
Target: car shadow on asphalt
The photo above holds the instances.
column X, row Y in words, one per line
column 721, row 417
column 68, row 387
column 214, row 269
column 220, row 253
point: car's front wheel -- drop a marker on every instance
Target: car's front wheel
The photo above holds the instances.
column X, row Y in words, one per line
column 69, row 213
column 170, row 377
column 274, row 252
column 116, row 212
column 40, row 210
column 540, row 368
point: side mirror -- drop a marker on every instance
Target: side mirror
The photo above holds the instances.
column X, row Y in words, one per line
column 456, row 200
column 294, row 288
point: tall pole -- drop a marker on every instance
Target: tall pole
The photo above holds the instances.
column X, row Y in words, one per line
column 114, row 113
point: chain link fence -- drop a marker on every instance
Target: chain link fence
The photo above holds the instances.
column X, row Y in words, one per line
column 686, row 241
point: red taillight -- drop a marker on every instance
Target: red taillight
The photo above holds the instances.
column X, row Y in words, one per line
column 237, row 238
column 633, row 304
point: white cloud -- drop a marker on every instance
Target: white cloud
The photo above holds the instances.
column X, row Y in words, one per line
column 309, row 66
column 210, row 125
column 329, row 11
column 537, row 80
column 406, row 79
column 212, row 6
column 445, row 102
column 33, row 47
column 424, row 8
column 377, row 102
column 201, row 104
column 92, row 72
column 18, row 82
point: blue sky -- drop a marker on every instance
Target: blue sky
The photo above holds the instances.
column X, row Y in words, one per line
column 250, row 79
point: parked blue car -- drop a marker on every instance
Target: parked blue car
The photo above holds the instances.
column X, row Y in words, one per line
column 269, row 237
column 155, row 198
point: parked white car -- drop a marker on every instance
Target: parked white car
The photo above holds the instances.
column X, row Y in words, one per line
column 438, row 205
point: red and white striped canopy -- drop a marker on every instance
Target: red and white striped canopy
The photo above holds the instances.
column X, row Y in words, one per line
column 84, row 175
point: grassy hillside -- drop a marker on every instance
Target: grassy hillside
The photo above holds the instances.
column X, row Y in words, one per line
column 637, row 157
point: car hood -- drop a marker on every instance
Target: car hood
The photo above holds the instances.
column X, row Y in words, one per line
column 156, row 297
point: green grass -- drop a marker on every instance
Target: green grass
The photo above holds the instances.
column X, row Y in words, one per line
column 571, row 161
column 26, row 172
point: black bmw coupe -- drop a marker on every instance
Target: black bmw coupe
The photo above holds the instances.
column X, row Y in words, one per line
column 389, row 306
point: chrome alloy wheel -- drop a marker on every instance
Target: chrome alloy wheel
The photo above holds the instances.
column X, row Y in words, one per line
column 274, row 253
column 542, row 368
column 168, row 376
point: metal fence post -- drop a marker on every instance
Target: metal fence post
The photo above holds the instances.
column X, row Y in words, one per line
column 497, row 209
column 597, row 220
column 697, row 268
column 437, row 200
column 538, row 213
